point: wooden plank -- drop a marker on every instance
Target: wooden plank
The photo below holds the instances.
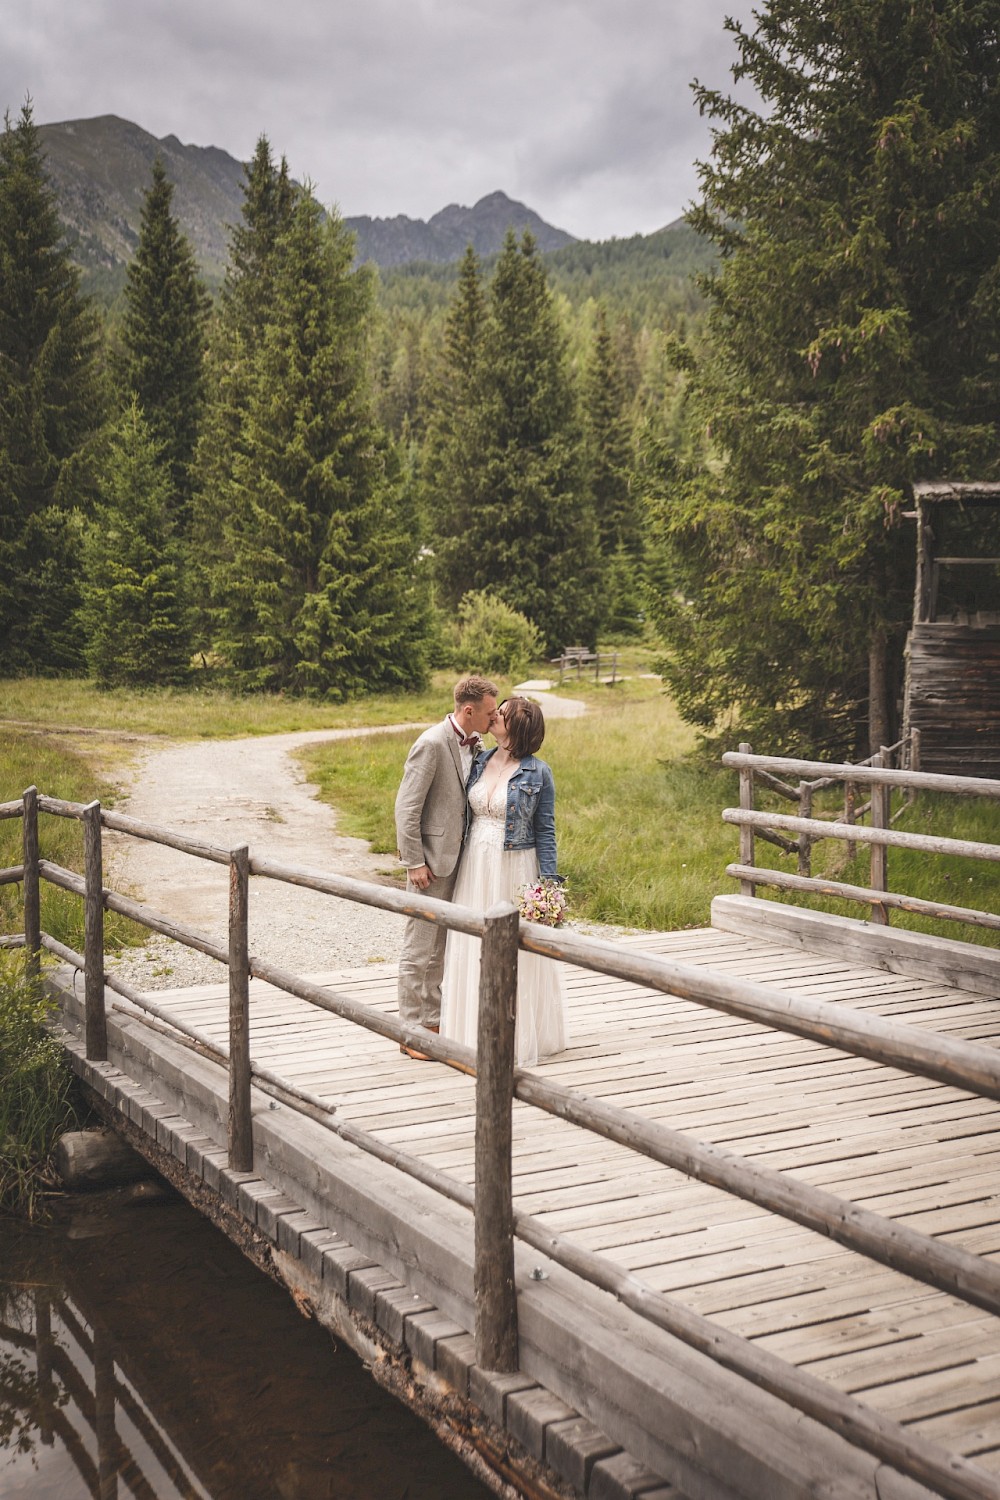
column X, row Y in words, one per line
column 946, row 961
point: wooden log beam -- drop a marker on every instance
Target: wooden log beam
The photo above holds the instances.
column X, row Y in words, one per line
column 11, row 810
column 156, row 835
column 67, row 880
column 405, row 903
column 442, row 1049
column 928, row 781
column 60, row 808
column 68, row 955
column 12, row 875
column 495, row 1292
column 818, row 885
column 144, row 915
column 818, row 828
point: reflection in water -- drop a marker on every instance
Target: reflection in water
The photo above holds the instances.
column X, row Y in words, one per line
column 142, row 1356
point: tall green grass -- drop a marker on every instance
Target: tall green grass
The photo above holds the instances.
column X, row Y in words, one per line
column 639, row 822
column 58, row 771
column 209, row 713
column 36, row 1090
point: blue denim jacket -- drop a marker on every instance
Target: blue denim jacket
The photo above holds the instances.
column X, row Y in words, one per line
column 530, row 821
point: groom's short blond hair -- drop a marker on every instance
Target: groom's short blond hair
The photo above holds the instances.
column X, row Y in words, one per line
column 474, row 690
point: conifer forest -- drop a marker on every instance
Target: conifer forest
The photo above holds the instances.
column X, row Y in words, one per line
column 306, row 483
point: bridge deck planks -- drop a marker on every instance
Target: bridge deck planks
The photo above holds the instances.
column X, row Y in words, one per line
column 902, row 1146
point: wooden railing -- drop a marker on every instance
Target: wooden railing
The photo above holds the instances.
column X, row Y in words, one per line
column 881, row 779
column 966, row 1065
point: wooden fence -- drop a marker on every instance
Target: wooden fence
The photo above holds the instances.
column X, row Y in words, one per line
column 881, row 779
column 966, row 1065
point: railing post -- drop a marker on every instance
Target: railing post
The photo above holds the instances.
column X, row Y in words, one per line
column 878, row 877
column 495, row 1291
column 32, row 898
column 240, row 1127
column 850, row 803
column 805, row 842
column 914, row 763
column 93, row 935
column 747, row 887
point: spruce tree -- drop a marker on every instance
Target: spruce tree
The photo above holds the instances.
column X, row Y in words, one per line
column 51, row 408
column 854, row 343
column 448, row 487
column 315, row 588
column 237, row 331
column 162, row 363
column 526, row 528
column 613, row 487
column 133, row 613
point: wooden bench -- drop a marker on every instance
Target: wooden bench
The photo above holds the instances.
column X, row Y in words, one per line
column 582, row 656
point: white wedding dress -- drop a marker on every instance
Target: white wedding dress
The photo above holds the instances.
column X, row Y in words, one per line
column 489, row 873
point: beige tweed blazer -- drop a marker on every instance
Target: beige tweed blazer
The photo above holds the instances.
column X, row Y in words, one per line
column 430, row 803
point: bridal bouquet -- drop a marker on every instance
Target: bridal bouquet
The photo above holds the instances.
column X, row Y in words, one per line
column 543, row 901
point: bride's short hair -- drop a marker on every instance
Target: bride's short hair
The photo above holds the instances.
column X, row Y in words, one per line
column 525, row 724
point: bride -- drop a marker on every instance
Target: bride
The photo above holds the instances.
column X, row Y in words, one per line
column 511, row 842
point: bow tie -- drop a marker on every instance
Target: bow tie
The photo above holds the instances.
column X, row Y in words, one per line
column 468, row 739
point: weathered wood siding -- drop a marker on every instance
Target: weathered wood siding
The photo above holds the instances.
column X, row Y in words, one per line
column 953, row 696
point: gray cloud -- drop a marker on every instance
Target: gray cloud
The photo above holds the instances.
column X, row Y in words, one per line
column 580, row 108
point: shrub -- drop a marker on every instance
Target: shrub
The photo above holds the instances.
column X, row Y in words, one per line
column 494, row 638
column 36, row 1089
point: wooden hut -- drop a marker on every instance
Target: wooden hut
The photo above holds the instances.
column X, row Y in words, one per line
column 952, row 692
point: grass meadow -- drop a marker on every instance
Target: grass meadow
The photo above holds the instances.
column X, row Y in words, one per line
column 641, row 839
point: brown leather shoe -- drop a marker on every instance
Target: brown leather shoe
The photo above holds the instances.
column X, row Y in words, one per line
column 412, row 1051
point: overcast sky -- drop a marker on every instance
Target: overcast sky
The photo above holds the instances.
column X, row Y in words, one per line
column 579, row 108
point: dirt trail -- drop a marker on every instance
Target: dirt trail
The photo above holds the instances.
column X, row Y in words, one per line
column 253, row 791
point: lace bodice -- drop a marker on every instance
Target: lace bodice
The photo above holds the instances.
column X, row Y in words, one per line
column 493, row 806
column 488, row 814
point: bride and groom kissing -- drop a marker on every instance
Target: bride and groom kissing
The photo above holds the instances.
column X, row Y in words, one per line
column 476, row 826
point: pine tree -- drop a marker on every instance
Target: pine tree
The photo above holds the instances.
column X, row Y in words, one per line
column 854, row 343
column 51, row 408
column 448, row 481
column 237, row 332
column 315, row 589
column 613, row 486
column 133, row 613
column 162, row 362
column 525, row 527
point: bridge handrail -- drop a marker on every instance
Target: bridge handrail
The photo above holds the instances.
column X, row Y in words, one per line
column 965, row 1064
column 882, row 779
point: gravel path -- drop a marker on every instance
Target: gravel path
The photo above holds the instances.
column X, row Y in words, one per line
column 253, row 791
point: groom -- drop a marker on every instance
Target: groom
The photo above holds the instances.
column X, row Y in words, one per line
column 430, row 827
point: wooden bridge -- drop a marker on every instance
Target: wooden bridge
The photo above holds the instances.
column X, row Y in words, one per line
column 740, row 1239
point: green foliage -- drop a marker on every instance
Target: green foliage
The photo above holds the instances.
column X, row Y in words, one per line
column 51, row 407
column 492, row 638
column 33, row 759
column 133, row 612
column 236, row 335
column 35, row 1089
column 163, row 338
column 508, row 502
column 316, row 588
column 853, row 348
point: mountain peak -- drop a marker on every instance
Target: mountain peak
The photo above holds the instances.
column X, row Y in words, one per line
column 100, row 169
column 444, row 237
